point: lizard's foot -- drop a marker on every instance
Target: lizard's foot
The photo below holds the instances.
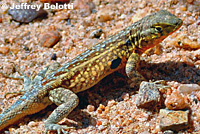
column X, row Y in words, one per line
column 16, row 69
column 12, row 77
column 157, row 83
column 58, row 128
column 22, row 76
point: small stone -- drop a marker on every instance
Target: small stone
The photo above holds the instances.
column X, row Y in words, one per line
column 125, row 96
column 173, row 120
column 198, row 96
column 176, row 101
column 85, row 8
column 174, row 2
column 32, row 124
column 97, row 2
column 188, row 88
column 107, row 109
column 99, row 110
column 90, row 108
column 14, row 49
column 96, row 33
column 149, row 95
column 9, row 68
column 4, row 50
column 190, row 1
column 105, row 15
column 168, row 132
column 53, row 57
column 183, row 8
column 63, row 16
column 102, row 107
column 123, row 16
column 111, row 103
column 26, row 15
column 49, row 38
column 99, row 123
column 187, row 43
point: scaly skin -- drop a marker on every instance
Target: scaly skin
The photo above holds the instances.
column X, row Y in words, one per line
column 58, row 85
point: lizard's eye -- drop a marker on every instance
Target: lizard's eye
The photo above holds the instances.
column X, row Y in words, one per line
column 158, row 28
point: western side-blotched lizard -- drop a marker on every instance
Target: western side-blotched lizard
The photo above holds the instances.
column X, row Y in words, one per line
column 59, row 85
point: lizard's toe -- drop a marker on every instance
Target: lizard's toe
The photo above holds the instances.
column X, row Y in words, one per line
column 58, row 128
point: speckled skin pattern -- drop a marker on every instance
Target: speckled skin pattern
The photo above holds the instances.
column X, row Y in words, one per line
column 55, row 84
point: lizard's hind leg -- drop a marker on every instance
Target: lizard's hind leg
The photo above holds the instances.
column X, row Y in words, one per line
column 66, row 101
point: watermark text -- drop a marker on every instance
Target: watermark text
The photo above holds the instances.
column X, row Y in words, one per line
column 37, row 7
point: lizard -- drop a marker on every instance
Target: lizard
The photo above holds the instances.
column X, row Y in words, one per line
column 59, row 84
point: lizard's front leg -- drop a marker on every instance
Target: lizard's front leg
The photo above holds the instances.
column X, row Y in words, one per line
column 66, row 101
column 131, row 69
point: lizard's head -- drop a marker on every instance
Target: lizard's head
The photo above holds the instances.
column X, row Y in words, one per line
column 156, row 27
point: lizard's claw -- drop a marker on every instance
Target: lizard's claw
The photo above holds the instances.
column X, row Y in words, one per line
column 58, row 128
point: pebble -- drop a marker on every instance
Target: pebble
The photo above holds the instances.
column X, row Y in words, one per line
column 49, row 38
column 4, row 50
column 111, row 103
column 26, row 15
column 14, row 49
column 90, row 108
column 190, row 1
column 188, row 88
column 123, row 16
column 187, row 43
column 182, row 8
column 148, row 96
column 105, row 15
column 173, row 120
column 32, row 124
column 96, row 33
column 176, row 101
column 97, row 2
column 53, row 57
column 198, row 96
column 85, row 7
column 168, row 132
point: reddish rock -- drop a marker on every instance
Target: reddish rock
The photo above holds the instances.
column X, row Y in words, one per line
column 49, row 38
column 105, row 15
column 198, row 96
column 187, row 43
column 90, row 108
column 4, row 50
column 173, row 120
column 14, row 49
column 176, row 101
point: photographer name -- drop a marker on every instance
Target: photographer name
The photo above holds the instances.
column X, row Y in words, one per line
column 58, row 6
column 37, row 7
